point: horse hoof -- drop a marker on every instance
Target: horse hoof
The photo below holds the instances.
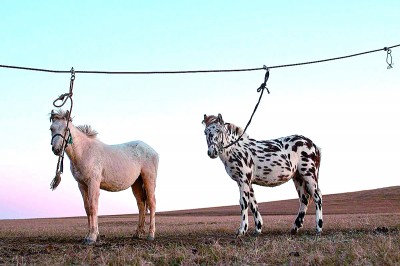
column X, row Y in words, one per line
column 256, row 233
column 239, row 234
column 293, row 231
column 88, row 241
column 150, row 238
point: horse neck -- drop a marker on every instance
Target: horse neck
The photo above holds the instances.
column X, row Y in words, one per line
column 232, row 133
column 79, row 142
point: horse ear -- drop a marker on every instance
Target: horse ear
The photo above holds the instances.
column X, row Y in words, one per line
column 51, row 115
column 204, row 120
column 220, row 120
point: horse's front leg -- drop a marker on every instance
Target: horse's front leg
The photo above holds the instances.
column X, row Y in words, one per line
column 84, row 191
column 244, row 190
column 258, row 221
column 93, row 202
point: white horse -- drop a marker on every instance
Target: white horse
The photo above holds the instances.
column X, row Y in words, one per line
column 96, row 166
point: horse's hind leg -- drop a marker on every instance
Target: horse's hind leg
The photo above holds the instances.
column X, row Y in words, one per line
column 304, row 197
column 149, row 181
column 140, row 195
column 318, row 209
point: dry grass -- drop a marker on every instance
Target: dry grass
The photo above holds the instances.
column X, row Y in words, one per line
column 361, row 228
column 191, row 240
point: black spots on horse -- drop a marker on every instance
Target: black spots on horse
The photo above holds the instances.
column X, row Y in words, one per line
column 304, row 164
column 248, row 176
column 304, row 154
column 251, row 162
column 245, row 227
column 253, row 210
column 304, row 199
column 259, row 167
column 236, row 160
column 246, row 193
column 318, row 201
column 286, row 146
column 320, row 223
column 277, row 163
column 283, row 177
column 297, row 178
column 296, row 145
column 259, row 225
column 244, row 203
column 312, row 171
column 300, row 219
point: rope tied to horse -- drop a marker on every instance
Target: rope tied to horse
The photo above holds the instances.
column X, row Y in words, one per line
column 63, row 98
column 261, row 89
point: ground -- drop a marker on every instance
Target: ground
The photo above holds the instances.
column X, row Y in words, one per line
column 207, row 236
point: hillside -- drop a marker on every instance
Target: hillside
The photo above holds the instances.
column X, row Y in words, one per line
column 382, row 200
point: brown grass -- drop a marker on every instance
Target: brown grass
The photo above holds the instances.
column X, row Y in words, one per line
column 347, row 239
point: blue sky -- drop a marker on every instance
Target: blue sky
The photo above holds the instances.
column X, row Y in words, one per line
column 348, row 107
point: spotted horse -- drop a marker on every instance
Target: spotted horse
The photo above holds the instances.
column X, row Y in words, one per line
column 266, row 163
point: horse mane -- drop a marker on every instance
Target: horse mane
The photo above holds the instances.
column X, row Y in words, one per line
column 88, row 131
column 233, row 129
column 59, row 114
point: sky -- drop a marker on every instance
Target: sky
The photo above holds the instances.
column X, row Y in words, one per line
column 349, row 108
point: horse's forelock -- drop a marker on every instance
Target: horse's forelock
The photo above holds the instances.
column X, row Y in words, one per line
column 208, row 120
column 59, row 114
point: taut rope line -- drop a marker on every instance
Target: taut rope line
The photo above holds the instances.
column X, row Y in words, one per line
column 386, row 49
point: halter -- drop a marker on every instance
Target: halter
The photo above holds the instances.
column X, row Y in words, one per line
column 220, row 145
column 66, row 141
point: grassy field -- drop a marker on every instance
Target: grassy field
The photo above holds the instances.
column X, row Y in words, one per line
column 190, row 239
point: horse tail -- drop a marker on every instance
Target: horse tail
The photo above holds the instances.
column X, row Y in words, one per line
column 317, row 160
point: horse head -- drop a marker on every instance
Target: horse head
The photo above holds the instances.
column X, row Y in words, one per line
column 60, row 134
column 214, row 131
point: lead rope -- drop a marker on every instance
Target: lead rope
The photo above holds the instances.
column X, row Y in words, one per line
column 63, row 98
column 260, row 89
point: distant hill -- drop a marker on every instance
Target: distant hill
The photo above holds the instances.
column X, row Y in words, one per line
column 382, row 200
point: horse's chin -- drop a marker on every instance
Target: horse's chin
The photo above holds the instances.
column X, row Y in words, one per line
column 213, row 156
column 57, row 153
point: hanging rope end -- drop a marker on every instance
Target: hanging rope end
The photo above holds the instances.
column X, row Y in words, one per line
column 56, row 181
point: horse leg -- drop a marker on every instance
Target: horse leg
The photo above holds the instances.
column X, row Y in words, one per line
column 84, row 191
column 304, row 197
column 258, row 221
column 93, row 200
column 244, row 203
column 149, row 182
column 140, row 195
column 318, row 209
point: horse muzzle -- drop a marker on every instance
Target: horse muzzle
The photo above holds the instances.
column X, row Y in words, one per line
column 212, row 152
column 56, row 151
